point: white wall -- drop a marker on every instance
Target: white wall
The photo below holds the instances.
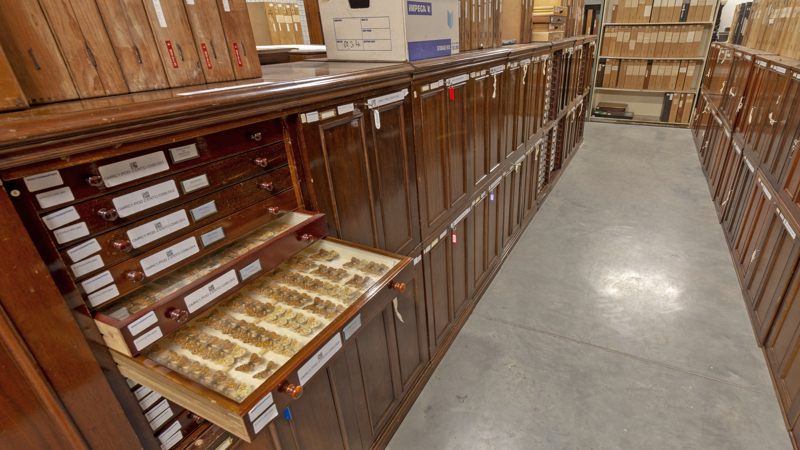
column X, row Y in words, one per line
column 727, row 13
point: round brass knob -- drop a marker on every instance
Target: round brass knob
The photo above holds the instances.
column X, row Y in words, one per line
column 123, row 245
column 178, row 315
column 291, row 390
column 109, row 214
column 306, row 238
column 255, row 136
column 195, row 418
column 266, row 185
column 94, row 180
column 135, row 276
column 273, row 210
column 399, row 287
column 261, row 162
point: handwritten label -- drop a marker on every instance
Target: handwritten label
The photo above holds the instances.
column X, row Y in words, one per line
column 143, row 199
column 96, row 282
column 83, row 250
column 212, row 236
column 43, row 180
column 265, row 418
column 103, row 295
column 352, row 327
column 55, row 197
column 196, row 183
column 157, row 229
column 132, row 169
column 61, row 218
column 87, row 265
column 184, row 152
column 170, row 256
column 316, row 362
column 260, row 407
column 204, row 210
column 209, row 292
column 250, row 270
column 148, row 338
column 143, row 323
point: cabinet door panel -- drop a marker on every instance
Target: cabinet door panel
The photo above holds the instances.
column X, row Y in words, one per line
column 478, row 133
column 460, row 265
column 781, row 140
column 437, row 294
column 314, row 421
column 480, row 214
column 754, row 217
column 408, row 321
column 377, row 371
column 721, row 151
column 496, row 141
column 775, row 83
column 783, row 348
column 508, row 198
column 510, row 96
column 752, row 97
column 432, row 158
column 738, row 201
column 519, row 108
column 728, row 180
column 457, row 145
column 494, row 225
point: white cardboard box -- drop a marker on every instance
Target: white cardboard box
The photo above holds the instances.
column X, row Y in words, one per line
column 389, row 30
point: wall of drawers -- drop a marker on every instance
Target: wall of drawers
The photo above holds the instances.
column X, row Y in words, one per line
column 438, row 166
column 746, row 130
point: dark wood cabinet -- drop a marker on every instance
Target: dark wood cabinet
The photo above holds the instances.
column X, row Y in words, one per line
column 783, row 348
column 759, row 204
column 782, row 140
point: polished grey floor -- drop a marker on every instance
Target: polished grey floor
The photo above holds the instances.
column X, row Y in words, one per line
column 616, row 323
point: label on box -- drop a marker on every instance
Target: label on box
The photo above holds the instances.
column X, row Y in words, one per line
column 103, row 295
column 96, row 282
column 204, row 210
column 156, row 410
column 71, row 232
column 159, row 13
column 149, row 400
column 132, row 169
column 87, row 265
column 166, row 435
column 250, row 270
column 147, row 198
column 55, row 197
column 148, row 338
column 319, row 359
column 43, row 180
column 193, row 184
column 143, row 323
column 141, row 392
column 343, row 109
column 212, row 236
column 157, row 229
column 170, row 256
column 352, row 327
column 161, row 418
column 260, row 407
column 209, row 292
column 60, row 218
column 83, row 250
column 265, row 418
column 184, row 152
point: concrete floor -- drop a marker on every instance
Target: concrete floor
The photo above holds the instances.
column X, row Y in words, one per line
column 616, row 323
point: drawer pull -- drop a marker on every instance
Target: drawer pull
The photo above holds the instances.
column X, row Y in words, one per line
column 261, row 162
column 273, row 210
column 109, row 214
column 306, row 238
column 195, row 418
column 123, row 245
column 178, row 315
column 135, row 276
column 291, row 390
column 255, row 136
column 94, row 180
column 399, row 287
column 266, row 185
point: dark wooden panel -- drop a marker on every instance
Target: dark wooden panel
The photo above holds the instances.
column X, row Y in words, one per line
column 431, row 151
column 480, row 223
column 409, row 323
column 477, row 136
column 457, row 155
column 738, row 201
column 783, row 349
column 314, row 423
column 766, row 112
column 460, row 265
column 496, row 122
column 209, row 40
column 437, row 294
column 781, row 145
column 510, row 98
column 11, row 95
column 377, row 373
column 744, row 123
column 755, row 215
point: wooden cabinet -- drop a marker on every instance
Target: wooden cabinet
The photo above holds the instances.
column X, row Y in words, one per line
column 719, row 73
column 781, row 142
column 757, row 209
column 764, row 106
column 733, row 97
column 738, row 198
column 720, row 154
column 730, row 172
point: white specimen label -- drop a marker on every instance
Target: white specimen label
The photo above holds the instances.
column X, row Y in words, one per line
column 250, row 270
column 212, row 236
column 391, row 98
column 766, row 192
column 143, row 323
column 265, row 418
column 312, row 117
column 343, row 109
column 161, row 418
column 319, row 359
column 55, row 197
column 43, row 180
column 143, row 199
column 160, row 13
column 157, row 229
column 169, row 256
column 60, row 218
column 132, row 169
column 196, row 183
column 750, row 166
column 130, row 382
column 149, row 400
column 141, row 392
column 260, row 407
column 83, row 250
column 103, row 295
column 417, row 260
column 96, row 282
column 209, row 292
column 184, row 153
column 352, row 327
column 148, row 338
column 158, row 409
column 204, row 210
column 87, row 265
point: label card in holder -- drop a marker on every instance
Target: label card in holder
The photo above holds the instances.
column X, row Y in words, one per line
column 260, row 407
column 60, row 218
column 55, row 197
column 157, row 410
column 149, row 400
column 96, row 282
column 132, row 169
column 167, row 434
column 71, row 232
column 81, row 251
column 143, row 323
column 148, row 338
column 184, row 153
column 209, row 292
column 87, row 265
column 194, row 184
column 204, row 210
column 265, row 418
column 212, row 236
column 250, row 270
column 43, row 181
column 352, row 327
column 157, row 229
column 103, row 295
column 316, row 362
column 161, row 418
column 170, row 256
column 147, row 198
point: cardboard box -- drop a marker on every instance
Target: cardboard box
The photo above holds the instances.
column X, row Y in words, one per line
column 390, row 30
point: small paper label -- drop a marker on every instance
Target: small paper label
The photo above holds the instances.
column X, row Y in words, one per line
column 130, row 382
column 260, row 407
column 156, row 410
column 325, row 115
column 265, row 418
column 143, row 323
column 250, row 270
column 43, row 180
column 766, row 192
column 343, row 109
column 157, row 229
column 193, row 184
column 147, row 198
column 83, row 250
column 60, row 218
column 212, row 236
column 168, row 432
column 427, row 249
column 455, row 80
column 206, row 55
column 148, row 338
column 352, row 327
column 312, row 117
column 389, row 98
column 184, row 152
column 209, row 292
column 204, row 210
column 172, row 441
column 96, row 282
column 750, row 166
column 417, row 260
column 159, row 13
column 319, row 359
column 444, row 233
column 788, row 227
column 87, row 265
column 149, row 401
column 141, row 392
column 132, row 169
column 161, row 418
column 226, row 6
column 103, row 295
column 55, row 197
column 779, row 69
column 170, row 256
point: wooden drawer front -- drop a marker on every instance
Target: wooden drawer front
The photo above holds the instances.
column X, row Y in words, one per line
column 728, row 180
column 164, row 160
column 177, row 430
column 720, row 154
column 140, row 236
column 122, row 337
column 783, row 348
column 779, row 147
column 776, row 257
column 212, row 438
column 757, row 209
column 733, row 97
column 125, row 207
column 162, row 414
column 738, row 200
column 752, row 97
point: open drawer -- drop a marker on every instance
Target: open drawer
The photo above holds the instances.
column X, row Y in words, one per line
column 249, row 356
column 136, row 320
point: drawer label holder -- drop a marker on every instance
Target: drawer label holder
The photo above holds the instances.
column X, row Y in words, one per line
column 316, row 362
